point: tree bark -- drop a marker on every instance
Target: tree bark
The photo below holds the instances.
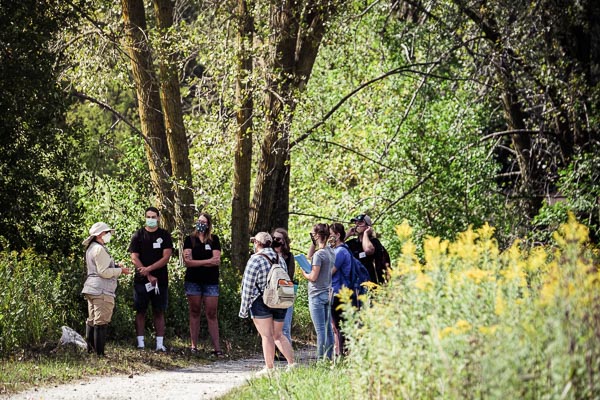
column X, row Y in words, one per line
column 240, row 203
column 170, row 96
column 149, row 110
column 297, row 29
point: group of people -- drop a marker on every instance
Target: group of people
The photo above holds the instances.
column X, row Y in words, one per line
column 151, row 248
column 331, row 251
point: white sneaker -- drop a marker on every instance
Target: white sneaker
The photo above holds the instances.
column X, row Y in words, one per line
column 291, row 367
column 161, row 349
column 264, row 372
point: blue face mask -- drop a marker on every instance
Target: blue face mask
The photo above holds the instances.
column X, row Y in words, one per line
column 151, row 222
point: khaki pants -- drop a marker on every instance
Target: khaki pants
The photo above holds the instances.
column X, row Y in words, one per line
column 100, row 309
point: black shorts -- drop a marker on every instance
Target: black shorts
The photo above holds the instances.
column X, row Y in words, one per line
column 141, row 298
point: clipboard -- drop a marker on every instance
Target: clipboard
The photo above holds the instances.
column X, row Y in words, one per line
column 303, row 263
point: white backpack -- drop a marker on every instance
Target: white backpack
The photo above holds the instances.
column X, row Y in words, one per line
column 279, row 292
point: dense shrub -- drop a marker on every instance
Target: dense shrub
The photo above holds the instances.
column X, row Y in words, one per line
column 471, row 322
column 38, row 294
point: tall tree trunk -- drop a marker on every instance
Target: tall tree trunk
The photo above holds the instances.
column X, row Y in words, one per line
column 151, row 118
column 297, row 29
column 240, row 203
column 170, row 96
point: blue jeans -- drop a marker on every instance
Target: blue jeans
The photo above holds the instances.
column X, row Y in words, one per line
column 287, row 324
column 320, row 313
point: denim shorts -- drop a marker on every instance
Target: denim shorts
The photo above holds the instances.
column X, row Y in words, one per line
column 141, row 298
column 259, row 310
column 198, row 289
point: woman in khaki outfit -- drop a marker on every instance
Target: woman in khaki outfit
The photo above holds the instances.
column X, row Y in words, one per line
column 100, row 286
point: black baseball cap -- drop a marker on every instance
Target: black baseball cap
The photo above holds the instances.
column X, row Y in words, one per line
column 362, row 217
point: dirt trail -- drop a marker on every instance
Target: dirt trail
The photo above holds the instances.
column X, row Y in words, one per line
column 193, row 383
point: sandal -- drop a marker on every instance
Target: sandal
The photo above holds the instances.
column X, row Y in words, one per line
column 218, row 354
column 194, row 350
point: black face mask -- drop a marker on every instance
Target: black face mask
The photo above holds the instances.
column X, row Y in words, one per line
column 200, row 227
column 277, row 243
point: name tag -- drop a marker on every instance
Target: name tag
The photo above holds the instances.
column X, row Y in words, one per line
column 207, row 247
column 362, row 255
column 156, row 245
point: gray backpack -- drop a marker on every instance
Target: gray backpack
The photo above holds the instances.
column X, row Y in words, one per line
column 279, row 292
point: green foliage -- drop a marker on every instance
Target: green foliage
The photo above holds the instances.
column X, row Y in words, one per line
column 40, row 164
column 471, row 322
column 38, row 294
column 578, row 192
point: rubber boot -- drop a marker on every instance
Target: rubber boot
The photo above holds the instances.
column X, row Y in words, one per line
column 99, row 339
column 89, row 337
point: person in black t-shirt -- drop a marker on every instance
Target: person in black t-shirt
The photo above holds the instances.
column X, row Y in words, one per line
column 202, row 257
column 367, row 248
column 151, row 248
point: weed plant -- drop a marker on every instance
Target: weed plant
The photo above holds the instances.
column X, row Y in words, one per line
column 468, row 321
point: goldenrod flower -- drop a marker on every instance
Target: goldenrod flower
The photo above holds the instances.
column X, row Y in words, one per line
column 488, row 330
column 434, row 250
column 404, row 231
column 499, row 304
column 423, row 281
column 477, row 275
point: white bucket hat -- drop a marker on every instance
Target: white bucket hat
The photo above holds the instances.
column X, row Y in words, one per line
column 96, row 230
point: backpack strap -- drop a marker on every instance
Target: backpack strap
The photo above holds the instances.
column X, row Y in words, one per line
column 276, row 261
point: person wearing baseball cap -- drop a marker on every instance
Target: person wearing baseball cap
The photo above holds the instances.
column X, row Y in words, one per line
column 100, row 285
column 367, row 248
column 268, row 321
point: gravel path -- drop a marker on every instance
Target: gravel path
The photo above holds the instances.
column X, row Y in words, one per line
column 193, row 383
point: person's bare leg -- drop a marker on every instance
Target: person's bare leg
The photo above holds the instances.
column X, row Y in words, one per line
column 282, row 342
column 159, row 322
column 195, row 307
column 264, row 326
column 140, row 323
column 210, row 308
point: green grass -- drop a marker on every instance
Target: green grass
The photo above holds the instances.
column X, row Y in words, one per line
column 322, row 380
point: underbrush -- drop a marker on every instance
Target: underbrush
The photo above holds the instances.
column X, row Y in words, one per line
column 469, row 321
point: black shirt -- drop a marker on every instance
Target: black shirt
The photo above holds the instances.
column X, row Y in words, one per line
column 374, row 262
column 202, row 251
column 150, row 246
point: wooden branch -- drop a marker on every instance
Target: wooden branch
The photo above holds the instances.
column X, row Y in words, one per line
column 395, row 71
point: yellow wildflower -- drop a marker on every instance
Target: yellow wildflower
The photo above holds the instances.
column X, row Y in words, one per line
column 423, row 282
column 462, row 326
column 500, row 303
column 434, row 250
column 571, row 232
column 404, row 231
column 536, row 260
column 486, row 232
column 477, row 275
column 409, row 249
column 488, row 330
column 447, row 331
